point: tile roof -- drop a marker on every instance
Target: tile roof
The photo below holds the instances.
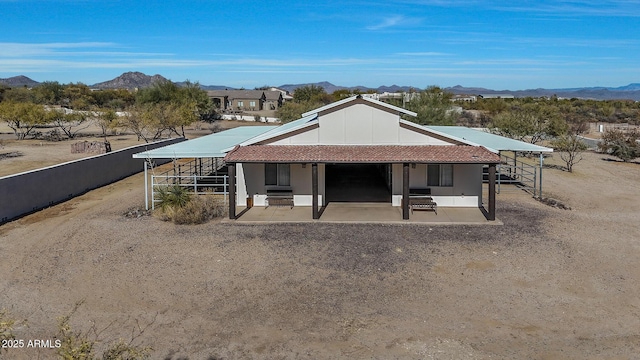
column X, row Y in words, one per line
column 461, row 154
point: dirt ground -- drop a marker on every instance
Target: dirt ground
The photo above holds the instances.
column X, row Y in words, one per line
column 548, row 284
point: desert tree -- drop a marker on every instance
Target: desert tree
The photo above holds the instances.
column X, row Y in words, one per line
column 69, row 122
column 433, row 106
column 621, row 144
column 77, row 96
column 106, row 119
column 529, row 122
column 305, row 98
column 48, row 93
column 571, row 148
column 292, row 110
column 23, row 117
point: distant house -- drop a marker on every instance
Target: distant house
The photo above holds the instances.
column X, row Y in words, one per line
column 246, row 100
column 496, row 96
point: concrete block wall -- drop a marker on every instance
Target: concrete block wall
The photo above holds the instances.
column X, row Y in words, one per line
column 27, row 192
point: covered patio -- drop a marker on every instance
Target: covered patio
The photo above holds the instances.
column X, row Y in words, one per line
column 379, row 213
column 405, row 157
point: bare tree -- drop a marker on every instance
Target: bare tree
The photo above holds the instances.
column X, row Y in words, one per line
column 570, row 148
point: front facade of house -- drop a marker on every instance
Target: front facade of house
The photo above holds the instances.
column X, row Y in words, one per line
column 359, row 150
column 246, row 100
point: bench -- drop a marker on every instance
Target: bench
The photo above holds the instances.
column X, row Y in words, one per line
column 279, row 197
column 421, row 199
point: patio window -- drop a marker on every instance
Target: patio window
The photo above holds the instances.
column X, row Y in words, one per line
column 440, row 175
column 277, row 174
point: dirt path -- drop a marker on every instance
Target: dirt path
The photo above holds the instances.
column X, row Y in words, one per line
column 549, row 284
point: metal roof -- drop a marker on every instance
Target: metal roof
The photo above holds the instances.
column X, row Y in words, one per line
column 208, row 146
column 492, row 142
column 280, row 130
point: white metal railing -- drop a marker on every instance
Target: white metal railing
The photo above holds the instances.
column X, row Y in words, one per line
column 195, row 184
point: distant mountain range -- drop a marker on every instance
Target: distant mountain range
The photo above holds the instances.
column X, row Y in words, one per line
column 133, row 80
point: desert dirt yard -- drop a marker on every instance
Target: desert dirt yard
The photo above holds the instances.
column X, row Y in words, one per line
column 548, row 284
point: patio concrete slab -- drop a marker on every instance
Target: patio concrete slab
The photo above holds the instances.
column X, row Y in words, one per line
column 363, row 213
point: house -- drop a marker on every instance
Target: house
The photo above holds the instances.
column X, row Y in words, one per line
column 358, row 149
column 246, row 100
column 354, row 150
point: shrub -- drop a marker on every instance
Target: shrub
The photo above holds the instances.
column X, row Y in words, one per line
column 78, row 345
column 623, row 145
column 6, row 328
column 197, row 210
column 175, row 196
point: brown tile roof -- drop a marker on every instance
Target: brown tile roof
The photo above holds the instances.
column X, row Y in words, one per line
column 362, row 154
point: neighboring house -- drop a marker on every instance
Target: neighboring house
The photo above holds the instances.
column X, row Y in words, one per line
column 332, row 153
column 496, row 96
column 246, row 100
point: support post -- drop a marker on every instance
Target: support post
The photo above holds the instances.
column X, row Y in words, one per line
column 314, row 191
column 232, row 191
column 492, row 192
column 146, row 187
column 540, row 187
column 405, row 191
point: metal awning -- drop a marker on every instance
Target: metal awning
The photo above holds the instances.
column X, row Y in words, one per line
column 208, row 146
column 492, row 142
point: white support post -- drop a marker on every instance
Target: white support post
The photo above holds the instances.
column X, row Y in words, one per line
column 540, row 188
column 146, row 187
column 195, row 183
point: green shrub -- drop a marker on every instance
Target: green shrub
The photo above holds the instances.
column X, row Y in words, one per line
column 175, row 196
column 623, row 145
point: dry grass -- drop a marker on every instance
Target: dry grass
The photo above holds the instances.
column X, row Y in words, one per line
column 198, row 209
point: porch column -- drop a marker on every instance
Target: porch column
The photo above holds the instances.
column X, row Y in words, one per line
column 232, row 191
column 405, row 191
column 314, row 191
column 492, row 192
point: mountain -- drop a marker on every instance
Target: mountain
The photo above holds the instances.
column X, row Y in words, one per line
column 329, row 87
column 130, row 80
column 19, row 81
column 628, row 92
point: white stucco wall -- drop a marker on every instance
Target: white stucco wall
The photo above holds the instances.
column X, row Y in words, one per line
column 465, row 192
column 359, row 125
column 250, row 182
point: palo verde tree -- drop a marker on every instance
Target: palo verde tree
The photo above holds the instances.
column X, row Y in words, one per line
column 23, row 117
column 433, row 106
column 305, row 98
column 69, row 122
column 529, row 122
column 166, row 107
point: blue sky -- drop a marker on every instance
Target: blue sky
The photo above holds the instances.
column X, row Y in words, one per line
column 495, row 44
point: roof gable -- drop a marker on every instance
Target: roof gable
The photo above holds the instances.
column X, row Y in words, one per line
column 335, row 106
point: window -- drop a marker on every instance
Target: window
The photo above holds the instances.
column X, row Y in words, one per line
column 240, row 104
column 252, row 104
column 440, row 175
column 277, row 174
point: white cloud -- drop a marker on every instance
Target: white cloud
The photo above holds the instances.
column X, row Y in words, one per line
column 394, row 21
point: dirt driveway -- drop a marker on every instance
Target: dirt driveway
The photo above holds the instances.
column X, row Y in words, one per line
column 549, row 284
